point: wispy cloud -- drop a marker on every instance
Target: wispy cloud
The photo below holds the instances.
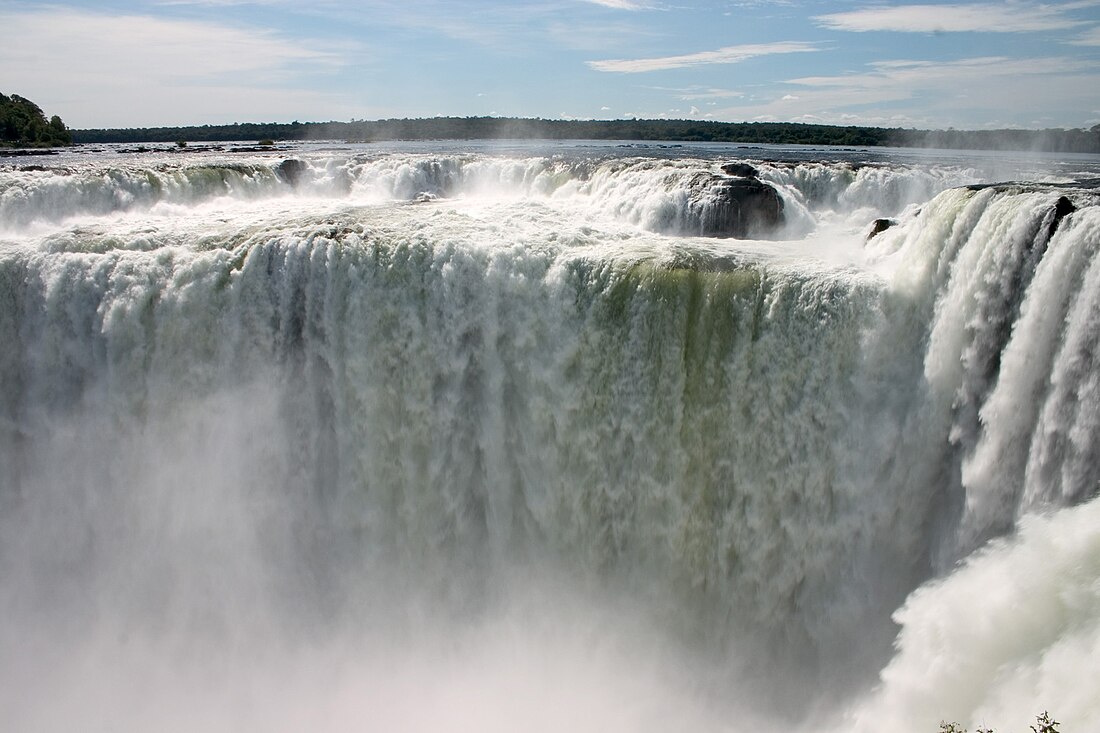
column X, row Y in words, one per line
column 985, row 18
column 1090, row 37
column 101, row 45
column 219, row 3
column 500, row 27
column 727, row 55
column 622, row 4
column 917, row 74
column 907, row 93
column 105, row 67
column 597, row 37
column 695, row 93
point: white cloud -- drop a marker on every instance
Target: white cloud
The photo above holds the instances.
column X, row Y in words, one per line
column 727, row 55
column 711, row 93
column 621, row 4
column 696, row 93
column 141, row 44
column 986, row 18
column 98, row 70
column 1090, row 37
column 219, row 3
column 920, row 74
column 937, row 95
column 600, row 37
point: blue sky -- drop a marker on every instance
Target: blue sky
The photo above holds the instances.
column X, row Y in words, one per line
column 972, row 65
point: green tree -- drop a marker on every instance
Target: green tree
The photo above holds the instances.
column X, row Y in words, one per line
column 22, row 123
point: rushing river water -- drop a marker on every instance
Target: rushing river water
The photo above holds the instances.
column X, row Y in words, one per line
column 487, row 438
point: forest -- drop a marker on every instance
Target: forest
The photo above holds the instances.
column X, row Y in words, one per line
column 23, row 124
column 505, row 128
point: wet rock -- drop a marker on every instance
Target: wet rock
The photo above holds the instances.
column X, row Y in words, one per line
column 255, row 149
column 1063, row 207
column 879, row 226
column 291, row 171
column 13, row 152
column 742, row 208
column 740, row 170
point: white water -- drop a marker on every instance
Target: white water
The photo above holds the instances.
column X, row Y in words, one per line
column 315, row 456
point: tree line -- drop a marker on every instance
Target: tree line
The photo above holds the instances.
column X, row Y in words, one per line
column 23, row 124
column 502, row 128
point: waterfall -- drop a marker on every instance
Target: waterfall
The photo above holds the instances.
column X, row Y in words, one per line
column 402, row 397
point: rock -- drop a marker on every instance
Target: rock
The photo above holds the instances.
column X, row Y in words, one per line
column 254, row 149
column 1063, row 207
column 740, row 170
column 742, row 208
column 879, row 226
column 291, row 170
column 12, row 152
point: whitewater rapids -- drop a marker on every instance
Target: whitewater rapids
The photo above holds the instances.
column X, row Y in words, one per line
column 425, row 439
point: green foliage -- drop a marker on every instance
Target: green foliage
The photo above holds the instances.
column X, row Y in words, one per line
column 505, row 128
column 1043, row 724
column 22, row 124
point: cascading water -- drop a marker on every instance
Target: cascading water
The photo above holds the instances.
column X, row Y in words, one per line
column 425, row 441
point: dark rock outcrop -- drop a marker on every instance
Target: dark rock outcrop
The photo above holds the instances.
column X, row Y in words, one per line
column 13, row 152
column 740, row 170
column 879, row 226
column 1063, row 207
column 291, row 171
column 742, row 208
